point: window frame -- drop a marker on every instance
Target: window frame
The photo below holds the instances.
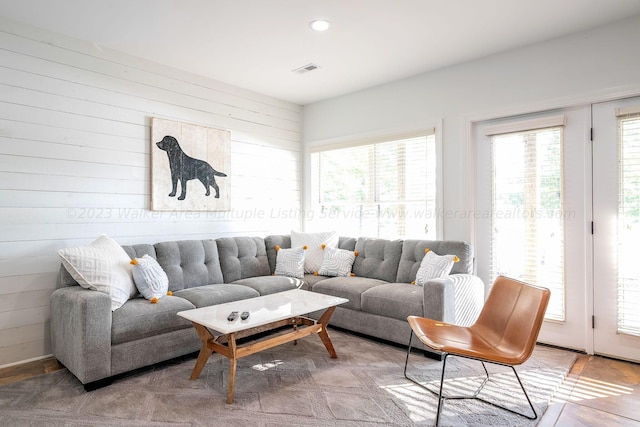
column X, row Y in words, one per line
column 311, row 206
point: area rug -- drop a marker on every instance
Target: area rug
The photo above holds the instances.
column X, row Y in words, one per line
column 294, row 385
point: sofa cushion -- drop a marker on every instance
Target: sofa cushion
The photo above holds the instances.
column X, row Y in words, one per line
column 138, row 318
column 413, row 251
column 347, row 243
column 395, row 300
column 189, row 263
column 270, row 284
column 204, row 296
column 347, row 287
column 140, row 250
column 377, row 258
column 242, row 257
column 312, row 279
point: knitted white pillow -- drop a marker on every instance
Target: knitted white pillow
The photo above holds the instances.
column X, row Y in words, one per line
column 101, row 266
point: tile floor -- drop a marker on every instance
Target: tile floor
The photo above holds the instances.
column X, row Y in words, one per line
column 598, row 392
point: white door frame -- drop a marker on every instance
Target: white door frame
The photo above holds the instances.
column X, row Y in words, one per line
column 469, row 122
column 576, row 211
column 605, row 212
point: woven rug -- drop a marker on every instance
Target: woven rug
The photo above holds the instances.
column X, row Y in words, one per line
column 294, row 385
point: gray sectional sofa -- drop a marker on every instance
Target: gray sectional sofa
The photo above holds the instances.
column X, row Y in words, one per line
column 95, row 343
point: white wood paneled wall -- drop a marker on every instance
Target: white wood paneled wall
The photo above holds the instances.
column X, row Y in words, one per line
column 75, row 163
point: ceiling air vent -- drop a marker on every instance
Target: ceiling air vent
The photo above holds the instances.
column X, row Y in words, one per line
column 306, row 68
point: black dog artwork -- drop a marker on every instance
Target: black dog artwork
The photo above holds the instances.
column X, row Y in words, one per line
column 185, row 168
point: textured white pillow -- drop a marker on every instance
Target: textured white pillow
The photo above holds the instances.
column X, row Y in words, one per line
column 434, row 266
column 290, row 262
column 314, row 241
column 150, row 278
column 101, row 266
column 337, row 262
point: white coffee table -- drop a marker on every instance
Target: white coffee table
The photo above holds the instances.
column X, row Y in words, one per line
column 266, row 312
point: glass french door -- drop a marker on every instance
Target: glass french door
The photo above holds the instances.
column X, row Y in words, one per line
column 532, row 209
column 616, row 228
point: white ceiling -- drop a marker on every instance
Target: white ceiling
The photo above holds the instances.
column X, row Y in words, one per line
column 255, row 44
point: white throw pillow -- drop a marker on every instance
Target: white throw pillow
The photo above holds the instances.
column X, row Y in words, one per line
column 101, row 266
column 337, row 262
column 150, row 278
column 290, row 262
column 314, row 241
column 434, row 266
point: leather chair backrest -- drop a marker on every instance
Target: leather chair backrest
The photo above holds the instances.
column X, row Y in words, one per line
column 512, row 317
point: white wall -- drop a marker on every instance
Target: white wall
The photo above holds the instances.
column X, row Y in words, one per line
column 590, row 66
column 75, row 163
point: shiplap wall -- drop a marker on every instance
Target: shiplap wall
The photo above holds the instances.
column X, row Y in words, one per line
column 75, row 163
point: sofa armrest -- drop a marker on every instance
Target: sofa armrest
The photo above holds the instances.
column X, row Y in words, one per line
column 456, row 299
column 81, row 332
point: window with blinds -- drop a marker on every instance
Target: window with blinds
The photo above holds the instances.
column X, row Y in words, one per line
column 527, row 236
column 628, row 223
column 385, row 189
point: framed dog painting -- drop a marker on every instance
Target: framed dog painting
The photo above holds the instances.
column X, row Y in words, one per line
column 190, row 167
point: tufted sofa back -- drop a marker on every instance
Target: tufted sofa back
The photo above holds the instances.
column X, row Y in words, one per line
column 189, row 263
column 242, row 257
column 377, row 258
column 413, row 251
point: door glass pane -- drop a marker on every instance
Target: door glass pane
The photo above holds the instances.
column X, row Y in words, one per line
column 629, row 225
column 527, row 239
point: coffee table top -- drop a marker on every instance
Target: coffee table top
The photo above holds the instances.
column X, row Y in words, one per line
column 263, row 310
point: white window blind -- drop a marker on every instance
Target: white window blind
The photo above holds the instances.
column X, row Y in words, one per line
column 385, row 189
column 628, row 222
column 527, row 236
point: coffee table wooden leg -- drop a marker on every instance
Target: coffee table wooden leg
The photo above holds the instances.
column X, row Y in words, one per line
column 324, row 335
column 205, row 351
column 233, row 362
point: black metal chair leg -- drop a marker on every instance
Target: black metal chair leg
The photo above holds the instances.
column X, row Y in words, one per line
column 441, row 397
column 535, row 414
column 406, row 360
column 438, row 395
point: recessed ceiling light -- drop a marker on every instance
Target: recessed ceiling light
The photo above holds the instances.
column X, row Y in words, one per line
column 320, row 25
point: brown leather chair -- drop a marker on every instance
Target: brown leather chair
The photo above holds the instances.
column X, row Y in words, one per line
column 505, row 333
